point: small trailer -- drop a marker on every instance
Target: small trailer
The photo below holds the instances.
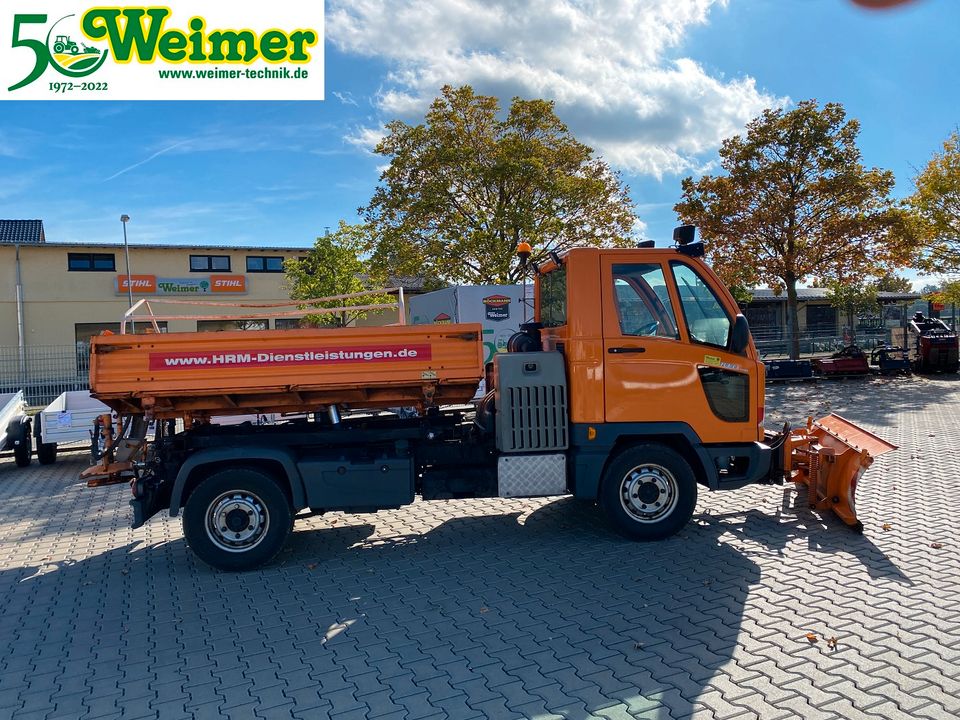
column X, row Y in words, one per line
column 67, row 419
column 15, row 425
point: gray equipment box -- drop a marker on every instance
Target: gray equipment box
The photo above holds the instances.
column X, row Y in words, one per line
column 531, row 402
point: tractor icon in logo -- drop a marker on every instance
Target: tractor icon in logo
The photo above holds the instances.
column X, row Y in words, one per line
column 69, row 58
column 63, row 44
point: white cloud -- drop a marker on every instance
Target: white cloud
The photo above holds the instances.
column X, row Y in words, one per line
column 612, row 66
column 366, row 138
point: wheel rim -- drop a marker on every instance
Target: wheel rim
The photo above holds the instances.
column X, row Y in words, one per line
column 649, row 493
column 237, row 521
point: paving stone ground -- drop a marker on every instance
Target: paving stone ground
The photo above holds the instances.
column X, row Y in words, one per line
column 507, row 609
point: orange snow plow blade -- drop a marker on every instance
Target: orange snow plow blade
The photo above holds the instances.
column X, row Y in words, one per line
column 829, row 456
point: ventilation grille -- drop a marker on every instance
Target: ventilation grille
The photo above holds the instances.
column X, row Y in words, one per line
column 535, row 418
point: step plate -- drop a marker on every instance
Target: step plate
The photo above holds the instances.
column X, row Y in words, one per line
column 532, row 475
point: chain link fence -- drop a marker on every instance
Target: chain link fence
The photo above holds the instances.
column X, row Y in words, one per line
column 44, row 372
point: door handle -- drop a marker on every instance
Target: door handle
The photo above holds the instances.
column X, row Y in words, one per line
column 631, row 349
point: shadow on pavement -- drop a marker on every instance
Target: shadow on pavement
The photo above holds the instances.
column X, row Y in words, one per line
column 876, row 401
column 491, row 615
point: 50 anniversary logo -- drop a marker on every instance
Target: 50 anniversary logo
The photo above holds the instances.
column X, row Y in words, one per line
column 153, row 53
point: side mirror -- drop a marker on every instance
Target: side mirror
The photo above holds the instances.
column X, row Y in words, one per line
column 740, row 335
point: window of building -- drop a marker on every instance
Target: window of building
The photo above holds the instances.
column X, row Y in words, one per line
column 91, row 262
column 822, row 319
column 209, row 263
column 224, row 325
column 643, row 302
column 264, row 264
column 288, row 323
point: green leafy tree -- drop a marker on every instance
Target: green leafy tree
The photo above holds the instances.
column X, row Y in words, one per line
column 937, row 204
column 333, row 266
column 893, row 283
column 853, row 299
column 948, row 293
column 796, row 203
column 466, row 186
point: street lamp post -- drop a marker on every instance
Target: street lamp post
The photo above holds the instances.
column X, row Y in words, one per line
column 126, row 254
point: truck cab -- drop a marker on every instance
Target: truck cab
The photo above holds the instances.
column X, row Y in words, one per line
column 657, row 351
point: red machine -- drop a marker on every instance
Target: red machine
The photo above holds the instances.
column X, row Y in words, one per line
column 849, row 361
column 935, row 345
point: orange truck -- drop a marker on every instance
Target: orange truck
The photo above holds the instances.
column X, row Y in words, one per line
column 636, row 386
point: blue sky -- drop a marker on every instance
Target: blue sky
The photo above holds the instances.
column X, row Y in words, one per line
column 653, row 85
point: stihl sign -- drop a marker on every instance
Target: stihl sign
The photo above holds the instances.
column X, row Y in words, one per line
column 153, row 285
column 228, row 283
column 141, row 284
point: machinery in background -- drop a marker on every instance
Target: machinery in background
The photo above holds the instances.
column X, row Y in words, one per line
column 933, row 346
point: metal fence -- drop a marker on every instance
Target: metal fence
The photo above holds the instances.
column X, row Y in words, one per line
column 44, row 372
column 777, row 343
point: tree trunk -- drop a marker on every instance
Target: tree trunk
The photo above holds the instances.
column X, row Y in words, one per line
column 793, row 322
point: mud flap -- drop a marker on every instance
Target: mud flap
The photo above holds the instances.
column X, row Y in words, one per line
column 829, row 456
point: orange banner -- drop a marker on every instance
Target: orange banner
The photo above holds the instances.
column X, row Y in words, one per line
column 228, row 283
column 141, row 284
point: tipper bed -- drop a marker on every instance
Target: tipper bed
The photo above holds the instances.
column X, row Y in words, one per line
column 170, row 375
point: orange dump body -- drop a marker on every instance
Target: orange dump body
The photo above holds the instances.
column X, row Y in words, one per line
column 234, row 373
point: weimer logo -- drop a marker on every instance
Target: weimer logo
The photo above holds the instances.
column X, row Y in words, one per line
column 497, row 307
column 60, row 51
column 181, row 50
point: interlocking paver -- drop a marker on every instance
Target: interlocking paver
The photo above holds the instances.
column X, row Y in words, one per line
column 507, row 609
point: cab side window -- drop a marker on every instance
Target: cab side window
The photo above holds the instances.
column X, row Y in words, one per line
column 553, row 298
column 643, row 303
column 707, row 321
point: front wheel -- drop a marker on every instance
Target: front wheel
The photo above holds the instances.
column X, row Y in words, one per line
column 648, row 492
column 237, row 519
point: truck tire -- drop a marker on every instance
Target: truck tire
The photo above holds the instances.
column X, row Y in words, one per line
column 46, row 453
column 237, row 519
column 23, row 450
column 648, row 492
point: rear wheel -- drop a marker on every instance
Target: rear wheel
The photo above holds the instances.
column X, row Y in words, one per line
column 23, row 449
column 648, row 492
column 46, row 452
column 237, row 519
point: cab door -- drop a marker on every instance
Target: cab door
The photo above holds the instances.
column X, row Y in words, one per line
column 666, row 357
